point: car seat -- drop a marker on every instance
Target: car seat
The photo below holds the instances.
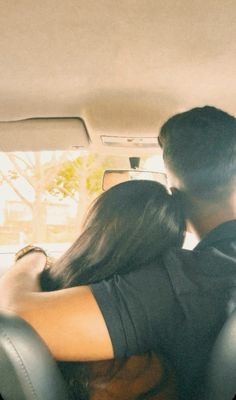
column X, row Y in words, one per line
column 221, row 377
column 37, row 377
column 27, row 369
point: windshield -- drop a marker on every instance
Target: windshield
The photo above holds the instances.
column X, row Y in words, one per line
column 45, row 195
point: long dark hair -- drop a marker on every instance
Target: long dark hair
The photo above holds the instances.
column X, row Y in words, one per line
column 126, row 228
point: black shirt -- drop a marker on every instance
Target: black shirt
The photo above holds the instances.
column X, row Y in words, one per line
column 175, row 306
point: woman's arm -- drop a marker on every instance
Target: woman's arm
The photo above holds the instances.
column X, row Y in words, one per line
column 68, row 320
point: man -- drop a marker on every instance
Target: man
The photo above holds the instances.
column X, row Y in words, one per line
column 176, row 306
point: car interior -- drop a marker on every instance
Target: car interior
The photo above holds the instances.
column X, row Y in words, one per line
column 102, row 77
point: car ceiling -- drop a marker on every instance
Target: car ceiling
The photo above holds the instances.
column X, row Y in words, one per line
column 118, row 68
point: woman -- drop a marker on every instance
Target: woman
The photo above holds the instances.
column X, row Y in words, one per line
column 127, row 227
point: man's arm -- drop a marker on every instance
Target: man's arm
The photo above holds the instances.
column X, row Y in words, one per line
column 69, row 321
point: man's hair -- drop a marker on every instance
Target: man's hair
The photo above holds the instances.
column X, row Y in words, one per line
column 199, row 147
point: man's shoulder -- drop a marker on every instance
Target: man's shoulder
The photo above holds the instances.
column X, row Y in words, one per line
column 180, row 271
column 154, row 276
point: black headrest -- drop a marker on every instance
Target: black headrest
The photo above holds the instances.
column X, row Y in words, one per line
column 27, row 369
column 222, row 368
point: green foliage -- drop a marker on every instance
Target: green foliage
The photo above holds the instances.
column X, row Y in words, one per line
column 80, row 174
column 79, row 178
column 13, row 175
column 66, row 181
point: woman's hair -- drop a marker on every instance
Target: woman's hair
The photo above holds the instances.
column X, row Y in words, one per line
column 126, row 228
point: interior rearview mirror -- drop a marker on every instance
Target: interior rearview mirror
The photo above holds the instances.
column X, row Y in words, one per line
column 114, row 177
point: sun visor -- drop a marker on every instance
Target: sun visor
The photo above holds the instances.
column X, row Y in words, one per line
column 43, row 134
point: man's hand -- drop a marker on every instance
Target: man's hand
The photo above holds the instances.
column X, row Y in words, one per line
column 69, row 320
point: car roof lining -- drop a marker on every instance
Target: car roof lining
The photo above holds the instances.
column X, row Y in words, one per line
column 120, row 66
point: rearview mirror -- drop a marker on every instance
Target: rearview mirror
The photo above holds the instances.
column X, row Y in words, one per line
column 114, row 177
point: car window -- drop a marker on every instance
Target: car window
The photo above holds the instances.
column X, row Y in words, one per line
column 44, row 196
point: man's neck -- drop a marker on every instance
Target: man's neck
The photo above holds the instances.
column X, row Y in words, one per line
column 202, row 217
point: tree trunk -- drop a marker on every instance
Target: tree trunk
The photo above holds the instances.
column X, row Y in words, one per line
column 39, row 228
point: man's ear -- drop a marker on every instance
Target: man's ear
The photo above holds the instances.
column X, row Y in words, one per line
column 173, row 181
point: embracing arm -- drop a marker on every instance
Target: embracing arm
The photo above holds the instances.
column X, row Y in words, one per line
column 69, row 320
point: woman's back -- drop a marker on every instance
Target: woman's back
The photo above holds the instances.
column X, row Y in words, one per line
column 128, row 227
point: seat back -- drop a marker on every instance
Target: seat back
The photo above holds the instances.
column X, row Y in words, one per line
column 221, row 383
column 27, row 369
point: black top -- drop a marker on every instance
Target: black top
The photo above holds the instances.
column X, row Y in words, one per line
column 175, row 306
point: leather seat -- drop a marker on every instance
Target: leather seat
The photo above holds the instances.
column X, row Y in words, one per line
column 221, row 380
column 27, row 377
column 27, row 369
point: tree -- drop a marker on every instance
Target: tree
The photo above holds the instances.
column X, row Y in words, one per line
column 33, row 172
column 81, row 179
column 61, row 175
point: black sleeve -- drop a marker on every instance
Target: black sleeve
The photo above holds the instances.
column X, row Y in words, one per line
column 138, row 308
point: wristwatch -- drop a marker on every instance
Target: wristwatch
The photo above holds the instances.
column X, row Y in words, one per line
column 33, row 249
